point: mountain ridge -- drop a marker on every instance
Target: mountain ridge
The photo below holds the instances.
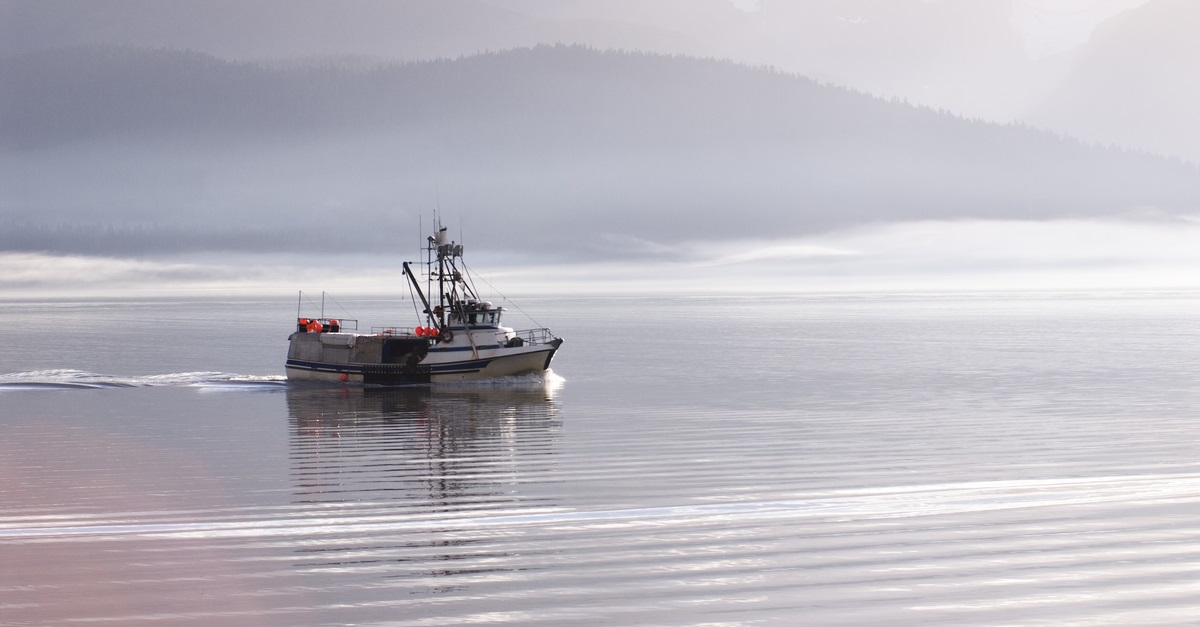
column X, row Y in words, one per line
column 1132, row 85
column 584, row 143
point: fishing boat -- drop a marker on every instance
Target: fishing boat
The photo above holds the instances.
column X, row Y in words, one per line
column 461, row 337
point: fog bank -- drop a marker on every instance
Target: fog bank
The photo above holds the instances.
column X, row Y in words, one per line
column 1154, row 253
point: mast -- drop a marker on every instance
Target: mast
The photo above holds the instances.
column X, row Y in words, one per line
column 439, row 242
column 450, row 296
column 429, row 273
column 456, row 300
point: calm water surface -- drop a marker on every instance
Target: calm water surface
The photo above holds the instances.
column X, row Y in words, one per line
column 730, row 461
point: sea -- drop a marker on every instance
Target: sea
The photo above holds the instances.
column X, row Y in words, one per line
column 809, row 459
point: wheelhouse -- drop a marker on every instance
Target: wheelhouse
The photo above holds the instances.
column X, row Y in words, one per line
column 474, row 314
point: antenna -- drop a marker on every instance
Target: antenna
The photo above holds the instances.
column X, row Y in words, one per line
column 461, row 240
column 437, row 195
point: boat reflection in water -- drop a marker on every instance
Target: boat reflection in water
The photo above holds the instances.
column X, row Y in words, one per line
column 410, row 485
column 437, row 447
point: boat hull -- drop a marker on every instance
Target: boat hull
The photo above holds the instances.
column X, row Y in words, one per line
column 438, row 366
column 352, row 373
column 490, row 364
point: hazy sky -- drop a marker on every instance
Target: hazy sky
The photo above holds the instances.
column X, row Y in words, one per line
column 1052, row 26
column 1046, row 26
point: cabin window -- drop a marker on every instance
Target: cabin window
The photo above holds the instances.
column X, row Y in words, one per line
column 482, row 317
column 477, row 317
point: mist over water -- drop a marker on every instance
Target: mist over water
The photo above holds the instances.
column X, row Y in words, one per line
column 1149, row 251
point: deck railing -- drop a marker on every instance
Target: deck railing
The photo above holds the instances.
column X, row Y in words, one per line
column 535, row 336
column 394, row 330
column 529, row 336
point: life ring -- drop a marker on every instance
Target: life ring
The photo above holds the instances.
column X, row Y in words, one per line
column 445, row 335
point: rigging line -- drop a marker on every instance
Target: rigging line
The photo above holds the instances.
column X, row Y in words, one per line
column 515, row 306
column 310, row 301
column 468, row 281
column 413, row 297
column 344, row 310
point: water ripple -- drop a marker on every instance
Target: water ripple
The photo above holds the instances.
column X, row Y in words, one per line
column 934, row 500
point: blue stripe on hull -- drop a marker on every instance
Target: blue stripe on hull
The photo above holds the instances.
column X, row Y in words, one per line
column 460, row 366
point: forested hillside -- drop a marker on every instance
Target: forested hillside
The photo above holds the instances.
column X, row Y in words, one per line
column 592, row 147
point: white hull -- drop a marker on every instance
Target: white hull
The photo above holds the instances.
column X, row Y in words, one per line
column 502, row 362
column 440, row 365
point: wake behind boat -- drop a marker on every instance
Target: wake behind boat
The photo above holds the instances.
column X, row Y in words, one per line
column 462, row 337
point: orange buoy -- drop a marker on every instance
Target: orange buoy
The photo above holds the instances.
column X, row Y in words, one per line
column 432, row 332
column 345, row 377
